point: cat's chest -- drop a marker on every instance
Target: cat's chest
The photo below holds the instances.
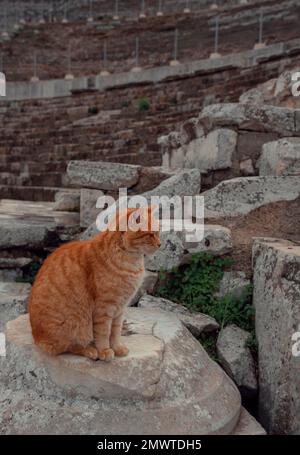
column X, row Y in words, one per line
column 124, row 287
column 133, row 281
column 122, row 282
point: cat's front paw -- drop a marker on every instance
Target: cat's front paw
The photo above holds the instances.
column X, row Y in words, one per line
column 106, row 354
column 121, row 350
column 91, row 352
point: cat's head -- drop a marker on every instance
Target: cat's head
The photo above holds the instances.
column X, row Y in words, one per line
column 142, row 234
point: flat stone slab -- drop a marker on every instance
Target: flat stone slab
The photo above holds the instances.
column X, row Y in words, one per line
column 196, row 323
column 27, row 413
column 241, row 195
column 14, row 263
column 30, row 224
column 177, row 247
column 167, row 381
column 250, row 117
column 186, row 182
column 13, row 301
column 102, row 175
column 280, row 157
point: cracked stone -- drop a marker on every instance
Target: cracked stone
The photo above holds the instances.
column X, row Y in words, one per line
column 166, row 382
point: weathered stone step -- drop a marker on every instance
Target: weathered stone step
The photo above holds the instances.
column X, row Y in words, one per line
column 187, row 390
column 13, row 301
column 47, row 179
column 177, row 248
column 241, row 195
column 42, row 416
column 280, row 157
column 252, row 117
column 28, row 193
column 34, row 224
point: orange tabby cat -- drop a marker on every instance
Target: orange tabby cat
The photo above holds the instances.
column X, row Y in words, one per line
column 80, row 293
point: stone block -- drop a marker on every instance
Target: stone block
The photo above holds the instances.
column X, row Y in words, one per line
column 166, row 382
column 88, row 209
column 102, row 175
column 276, row 299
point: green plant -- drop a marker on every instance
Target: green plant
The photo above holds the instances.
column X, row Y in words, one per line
column 236, row 310
column 93, row 110
column 196, row 285
column 208, row 342
column 144, row 105
column 251, row 343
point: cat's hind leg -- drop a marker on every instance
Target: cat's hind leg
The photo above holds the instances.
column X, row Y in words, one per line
column 102, row 329
column 52, row 348
column 117, row 346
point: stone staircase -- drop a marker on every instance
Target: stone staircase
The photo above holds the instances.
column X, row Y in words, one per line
column 196, row 38
column 39, row 137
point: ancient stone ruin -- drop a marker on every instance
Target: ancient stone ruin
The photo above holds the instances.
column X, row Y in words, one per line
column 214, row 329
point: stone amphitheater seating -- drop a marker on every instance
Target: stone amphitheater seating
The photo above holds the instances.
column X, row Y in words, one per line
column 39, row 137
column 196, row 38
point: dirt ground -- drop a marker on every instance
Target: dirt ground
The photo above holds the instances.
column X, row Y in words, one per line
column 278, row 220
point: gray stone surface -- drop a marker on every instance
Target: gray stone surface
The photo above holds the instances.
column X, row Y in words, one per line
column 241, row 195
column 276, row 299
column 236, row 358
column 12, row 262
column 277, row 91
column 280, row 157
column 184, row 183
column 102, row 175
column 28, row 413
column 13, row 301
column 234, row 283
column 67, row 201
column 247, row 168
column 196, row 323
column 10, row 275
column 217, row 240
column 206, row 153
column 215, row 151
column 169, row 255
column 176, row 248
column 88, row 210
column 187, row 390
column 250, row 117
column 34, row 224
column 22, row 234
column 247, row 425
